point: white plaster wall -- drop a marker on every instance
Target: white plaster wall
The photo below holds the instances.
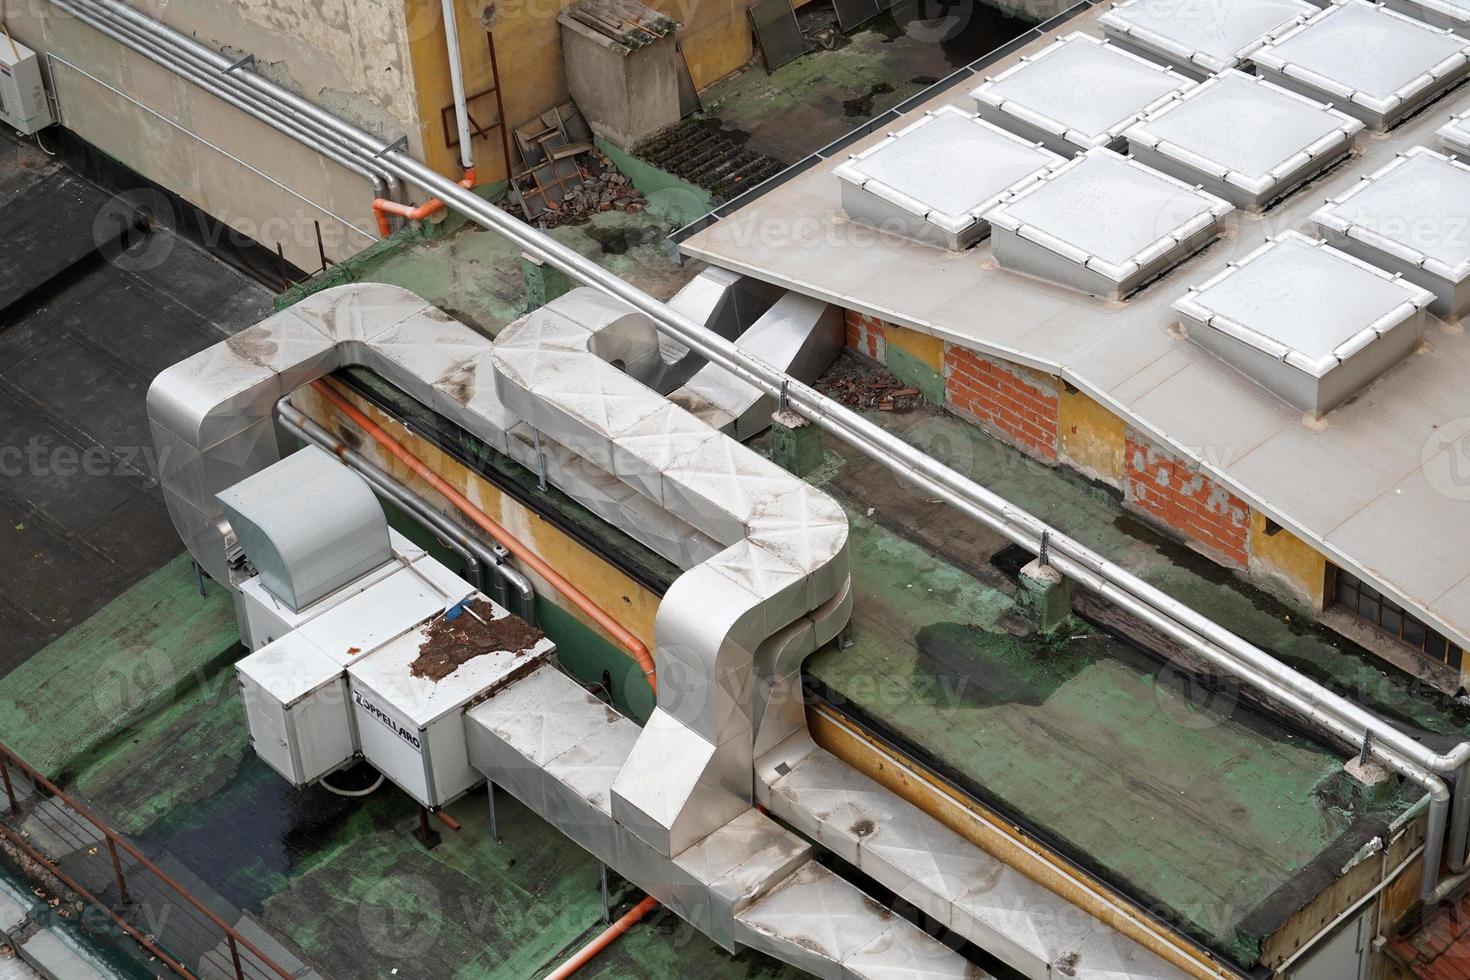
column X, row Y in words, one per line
column 349, row 55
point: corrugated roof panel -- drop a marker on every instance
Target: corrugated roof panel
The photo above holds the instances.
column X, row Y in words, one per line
column 1201, row 39
column 1103, row 224
column 1369, row 61
column 1243, row 138
column 1077, row 93
column 1411, row 217
column 935, row 179
column 1304, row 320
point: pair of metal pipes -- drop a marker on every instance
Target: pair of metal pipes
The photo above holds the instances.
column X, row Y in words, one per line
column 511, row 589
column 1223, row 650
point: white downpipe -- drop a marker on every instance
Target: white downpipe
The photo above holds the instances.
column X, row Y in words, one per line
column 456, row 79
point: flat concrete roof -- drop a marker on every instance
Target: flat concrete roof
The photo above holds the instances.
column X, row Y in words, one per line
column 1377, row 484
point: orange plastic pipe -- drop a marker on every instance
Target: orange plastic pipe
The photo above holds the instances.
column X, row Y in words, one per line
column 493, row 528
column 382, row 207
column 585, row 954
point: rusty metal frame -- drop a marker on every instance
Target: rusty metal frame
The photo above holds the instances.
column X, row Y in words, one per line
column 233, row 939
column 446, row 113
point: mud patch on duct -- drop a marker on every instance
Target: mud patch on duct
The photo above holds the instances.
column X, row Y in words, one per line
column 473, row 631
column 707, row 154
column 862, row 106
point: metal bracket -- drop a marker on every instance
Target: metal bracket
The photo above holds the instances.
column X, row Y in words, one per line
column 540, row 461
column 246, row 62
column 783, row 403
column 1367, row 752
column 399, row 145
column 1043, row 559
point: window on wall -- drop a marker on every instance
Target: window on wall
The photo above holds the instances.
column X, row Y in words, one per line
column 1365, row 602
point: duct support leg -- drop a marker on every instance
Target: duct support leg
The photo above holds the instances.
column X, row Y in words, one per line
column 1045, row 598
column 427, row 835
column 544, row 282
column 796, row 444
column 494, row 825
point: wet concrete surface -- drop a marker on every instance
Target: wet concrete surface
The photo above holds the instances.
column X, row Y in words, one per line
column 82, row 334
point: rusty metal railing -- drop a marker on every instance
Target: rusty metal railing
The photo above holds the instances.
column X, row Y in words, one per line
column 75, row 822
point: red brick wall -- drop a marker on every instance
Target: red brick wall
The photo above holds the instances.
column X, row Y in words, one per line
column 865, row 335
column 1022, row 411
column 1181, row 497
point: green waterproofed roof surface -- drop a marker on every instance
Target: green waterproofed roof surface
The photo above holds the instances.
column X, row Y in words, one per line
column 1219, row 819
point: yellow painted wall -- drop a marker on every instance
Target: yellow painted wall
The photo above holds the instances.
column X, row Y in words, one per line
column 715, row 36
column 1090, row 437
column 1287, row 559
column 928, row 349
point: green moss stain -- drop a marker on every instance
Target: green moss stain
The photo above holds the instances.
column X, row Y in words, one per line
column 670, row 197
column 916, row 374
column 1087, row 739
column 135, row 656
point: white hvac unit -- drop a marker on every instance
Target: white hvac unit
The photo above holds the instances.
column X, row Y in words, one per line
column 23, row 103
column 295, row 687
column 411, row 728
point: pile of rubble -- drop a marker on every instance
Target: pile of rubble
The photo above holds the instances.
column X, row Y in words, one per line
column 603, row 188
column 863, row 387
column 566, row 179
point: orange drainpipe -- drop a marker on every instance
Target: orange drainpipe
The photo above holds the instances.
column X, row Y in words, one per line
column 585, row 954
column 491, row 527
column 383, row 207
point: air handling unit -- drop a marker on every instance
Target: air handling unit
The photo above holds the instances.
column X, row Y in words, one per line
column 24, row 106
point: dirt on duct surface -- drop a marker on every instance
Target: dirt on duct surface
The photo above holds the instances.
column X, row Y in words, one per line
column 475, row 632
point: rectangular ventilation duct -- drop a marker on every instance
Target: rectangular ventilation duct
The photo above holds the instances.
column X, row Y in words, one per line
column 935, row 179
column 1412, row 217
column 1104, row 224
column 1201, row 41
column 1244, row 139
column 1077, row 93
column 1306, row 321
column 1368, row 61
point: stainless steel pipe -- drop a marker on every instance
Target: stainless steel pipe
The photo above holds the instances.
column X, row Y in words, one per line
column 478, row 555
column 1222, row 648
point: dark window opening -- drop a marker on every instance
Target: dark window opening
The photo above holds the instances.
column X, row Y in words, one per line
column 1367, row 603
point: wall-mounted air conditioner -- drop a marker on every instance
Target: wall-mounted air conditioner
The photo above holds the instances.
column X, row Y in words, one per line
column 23, row 103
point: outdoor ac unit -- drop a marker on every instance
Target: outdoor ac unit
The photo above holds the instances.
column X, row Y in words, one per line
column 23, row 102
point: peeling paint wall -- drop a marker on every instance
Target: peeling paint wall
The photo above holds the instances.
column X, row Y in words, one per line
column 1298, row 570
column 1091, row 439
column 1040, row 415
column 349, row 55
